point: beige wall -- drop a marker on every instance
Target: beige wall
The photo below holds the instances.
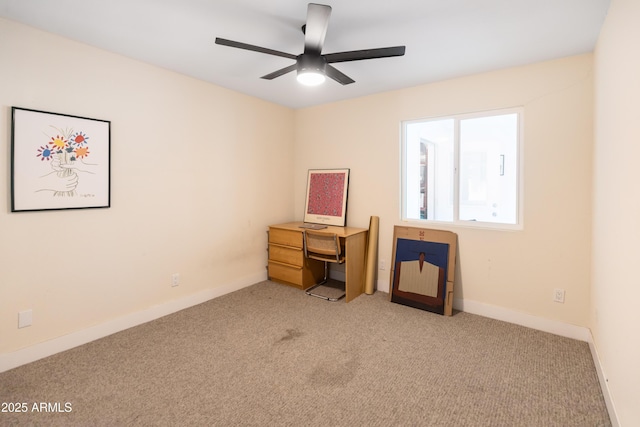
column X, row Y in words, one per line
column 517, row 270
column 198, row 172
column 616, row 255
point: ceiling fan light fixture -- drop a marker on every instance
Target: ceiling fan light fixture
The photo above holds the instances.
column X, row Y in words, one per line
column 311, row 69
column 310, row 78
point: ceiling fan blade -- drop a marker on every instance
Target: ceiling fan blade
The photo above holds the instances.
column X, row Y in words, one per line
column 316, row 27
column 338, row 76
column 357, row 55
column 246, row 46
column 279, row 72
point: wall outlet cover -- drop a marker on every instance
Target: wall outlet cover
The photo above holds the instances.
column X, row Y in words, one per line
column 25, row 318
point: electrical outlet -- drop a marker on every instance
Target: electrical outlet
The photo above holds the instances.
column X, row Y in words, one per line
column 558, row 295
column 25, row 318
column 382, row 264
column 175, row 279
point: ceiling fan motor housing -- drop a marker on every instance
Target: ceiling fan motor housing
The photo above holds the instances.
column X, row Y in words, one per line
column 311, row 63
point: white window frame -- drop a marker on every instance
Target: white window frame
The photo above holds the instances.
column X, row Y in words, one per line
column 519, row 225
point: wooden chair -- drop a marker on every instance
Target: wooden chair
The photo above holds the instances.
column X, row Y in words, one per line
column 324, row 247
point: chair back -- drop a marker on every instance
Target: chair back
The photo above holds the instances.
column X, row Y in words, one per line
column 322, row 246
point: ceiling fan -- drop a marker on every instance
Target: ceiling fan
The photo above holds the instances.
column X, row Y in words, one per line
column 312, row 66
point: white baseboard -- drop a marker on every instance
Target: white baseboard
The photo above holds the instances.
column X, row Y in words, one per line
column 604, row 385
column 74, row 339
column 336, row 274
column 512, row 316
column 523, row 319
column 382, row 285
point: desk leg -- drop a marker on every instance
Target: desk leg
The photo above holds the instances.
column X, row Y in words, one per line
column 355, row 265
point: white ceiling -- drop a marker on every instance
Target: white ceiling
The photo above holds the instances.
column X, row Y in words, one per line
column 443, row 38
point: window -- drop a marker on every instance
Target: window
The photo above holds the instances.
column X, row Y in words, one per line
column 463, row 169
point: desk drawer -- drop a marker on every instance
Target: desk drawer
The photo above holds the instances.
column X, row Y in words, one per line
column 286, row 273
column 286, row 254
column 285, row 237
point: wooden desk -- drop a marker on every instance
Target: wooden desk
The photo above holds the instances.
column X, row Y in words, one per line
column 288, row 265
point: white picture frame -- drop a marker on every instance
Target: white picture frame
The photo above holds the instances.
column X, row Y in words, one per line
column 59, row 161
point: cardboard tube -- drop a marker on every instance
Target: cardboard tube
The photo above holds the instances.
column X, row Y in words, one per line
column 372, row 255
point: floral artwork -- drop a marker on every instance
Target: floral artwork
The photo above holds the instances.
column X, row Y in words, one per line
column 326, row 201
column 59, row 161
column 66, row 152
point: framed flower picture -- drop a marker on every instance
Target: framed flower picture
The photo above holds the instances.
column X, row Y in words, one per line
column 59, row 161
column 326, row 201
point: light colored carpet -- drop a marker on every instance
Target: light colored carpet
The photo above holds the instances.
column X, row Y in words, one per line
column 331, row 290
column 270, row 355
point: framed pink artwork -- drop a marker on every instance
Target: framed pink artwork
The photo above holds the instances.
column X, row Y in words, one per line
column 326, row 201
